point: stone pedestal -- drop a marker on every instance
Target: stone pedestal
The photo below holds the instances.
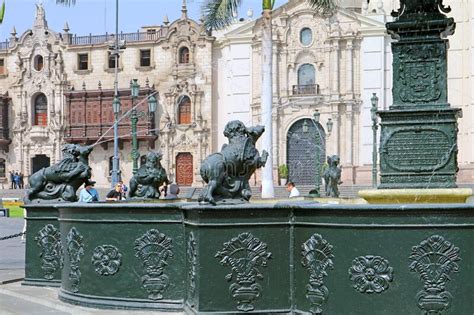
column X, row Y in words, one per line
column 418, row 148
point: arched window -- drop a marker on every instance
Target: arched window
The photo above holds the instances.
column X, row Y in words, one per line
column 306, row 74
column 184, row 110
column 184, row 55
column 142, row 160
column 38, row 62
column 41, row 110
column 111, row 164
column 306, row 80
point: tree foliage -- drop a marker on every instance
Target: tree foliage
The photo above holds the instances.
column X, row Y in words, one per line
column 219, row 14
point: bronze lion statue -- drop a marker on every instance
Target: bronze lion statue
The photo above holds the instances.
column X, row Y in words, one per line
column 227, row 173
column 61, row 180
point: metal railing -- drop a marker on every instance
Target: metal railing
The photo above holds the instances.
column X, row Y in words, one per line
column 102, row 39
column 4, row 45
column 306, row 89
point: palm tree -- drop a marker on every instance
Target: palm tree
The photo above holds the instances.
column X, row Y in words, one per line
column 2, row 12
column 217, row 15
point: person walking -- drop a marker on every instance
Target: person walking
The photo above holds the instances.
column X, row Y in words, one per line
column 22, row 183
column 12, row 179
column 16, row 179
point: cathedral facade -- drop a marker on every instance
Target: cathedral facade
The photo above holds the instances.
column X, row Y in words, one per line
column 325, row 73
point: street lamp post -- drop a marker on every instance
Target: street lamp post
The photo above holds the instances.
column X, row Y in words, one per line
column 134, row 116
column 315, row 191
column 135, row 89
column 373, row 113
column 115, row 161
column 115, row 48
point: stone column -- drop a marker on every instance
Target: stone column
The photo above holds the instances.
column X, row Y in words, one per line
column 349, row 139
column 349, row 69
column 334, row 73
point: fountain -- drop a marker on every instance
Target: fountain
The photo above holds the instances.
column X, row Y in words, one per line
column 227, row 255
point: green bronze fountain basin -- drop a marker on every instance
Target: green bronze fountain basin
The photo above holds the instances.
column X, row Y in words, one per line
column 287, row 257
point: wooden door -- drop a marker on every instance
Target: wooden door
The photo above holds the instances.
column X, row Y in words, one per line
column 184, row 169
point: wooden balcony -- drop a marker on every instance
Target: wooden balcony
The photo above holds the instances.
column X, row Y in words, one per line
column 90, row 117
column 4, row 128
column 310, row 89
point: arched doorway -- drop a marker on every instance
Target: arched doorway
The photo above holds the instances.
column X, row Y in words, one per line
column 39, row 161
column 184, row 169
column 305, row 139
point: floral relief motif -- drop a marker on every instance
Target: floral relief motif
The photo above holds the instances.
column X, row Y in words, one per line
column 434, row 259
column 244, row 254
column 49, row 239
column 192, row 264
column 371, row 274
column 154, row 249
column 106, row 260
column 75, row 250
column 317, row 257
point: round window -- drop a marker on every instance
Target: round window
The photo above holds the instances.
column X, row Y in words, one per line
column 306, row 36
column 38, row 62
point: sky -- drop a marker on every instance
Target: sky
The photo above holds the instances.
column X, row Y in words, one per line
column 98, row 16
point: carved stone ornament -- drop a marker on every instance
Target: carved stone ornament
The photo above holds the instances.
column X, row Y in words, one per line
column 60, row 181
column 106, row 260
column 154, row 249
column 75, row 251
column 192, row 264
column 317, row 258
column 49, row 240
column 150, row 176
column 371, row 274
column 244, row 254
column 434, row 259
column 227, row 173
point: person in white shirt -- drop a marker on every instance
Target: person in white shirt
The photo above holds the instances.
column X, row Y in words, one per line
column 290, row 187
